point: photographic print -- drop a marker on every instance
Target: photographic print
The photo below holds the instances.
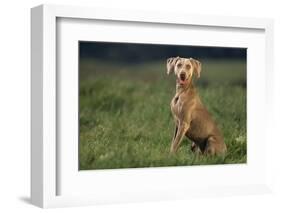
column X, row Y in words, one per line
column 156, row 105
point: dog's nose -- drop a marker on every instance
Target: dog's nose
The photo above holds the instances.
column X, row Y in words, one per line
column 182, row 76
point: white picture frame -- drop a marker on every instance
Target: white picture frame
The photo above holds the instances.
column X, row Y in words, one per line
column 45, row 157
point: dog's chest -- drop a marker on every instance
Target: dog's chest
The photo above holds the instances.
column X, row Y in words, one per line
column 176, row 104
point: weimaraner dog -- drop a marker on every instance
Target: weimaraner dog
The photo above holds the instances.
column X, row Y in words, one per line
column 191, row 117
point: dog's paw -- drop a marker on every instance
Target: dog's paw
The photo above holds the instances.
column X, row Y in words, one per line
column 193, row 147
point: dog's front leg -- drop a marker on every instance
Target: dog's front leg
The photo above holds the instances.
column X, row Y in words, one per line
column 175, row 134
column 181, row 130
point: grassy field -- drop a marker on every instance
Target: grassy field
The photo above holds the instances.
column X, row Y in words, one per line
column 125, row 118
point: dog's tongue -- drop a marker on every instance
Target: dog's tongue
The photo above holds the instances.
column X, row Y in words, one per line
column 182, row 81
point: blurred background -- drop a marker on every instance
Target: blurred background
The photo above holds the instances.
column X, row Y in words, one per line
column 229, row 60
column 139, row 53
column 124, row 103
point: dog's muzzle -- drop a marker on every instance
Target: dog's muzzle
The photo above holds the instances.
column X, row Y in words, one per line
column 182, row 76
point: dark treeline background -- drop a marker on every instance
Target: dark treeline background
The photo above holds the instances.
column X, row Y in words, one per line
column 138, row 53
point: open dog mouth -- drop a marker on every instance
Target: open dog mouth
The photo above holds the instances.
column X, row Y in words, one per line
column 182, row 79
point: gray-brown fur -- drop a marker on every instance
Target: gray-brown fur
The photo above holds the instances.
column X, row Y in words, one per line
column 191, row 117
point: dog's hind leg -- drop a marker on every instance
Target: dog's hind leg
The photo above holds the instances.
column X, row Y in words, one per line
column 215, row 147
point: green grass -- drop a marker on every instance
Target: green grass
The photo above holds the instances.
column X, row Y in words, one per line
column 125, row 118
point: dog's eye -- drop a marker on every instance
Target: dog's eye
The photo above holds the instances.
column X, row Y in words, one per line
column 188, row 66
column 179, row 65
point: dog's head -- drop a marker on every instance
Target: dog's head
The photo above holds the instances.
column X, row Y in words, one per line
column 183, row 68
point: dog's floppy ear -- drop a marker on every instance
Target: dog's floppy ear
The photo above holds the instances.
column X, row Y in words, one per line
column 196, row 66
column 171, row 63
